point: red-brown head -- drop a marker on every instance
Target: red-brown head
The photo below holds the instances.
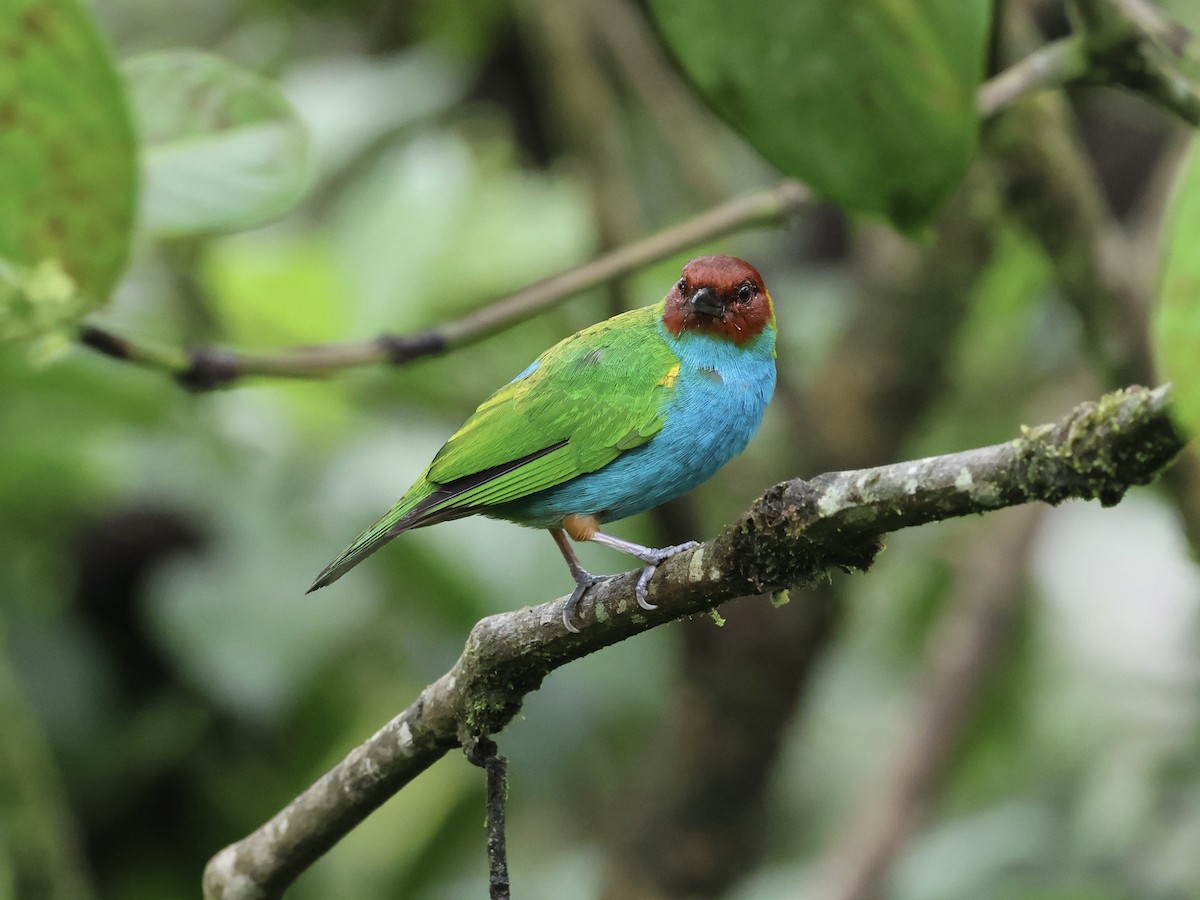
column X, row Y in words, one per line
column 722, row 295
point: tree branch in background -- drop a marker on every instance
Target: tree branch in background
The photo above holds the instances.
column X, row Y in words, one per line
column 795, row 533
column 961, row 650
column 1054, row 65
column 1133, row 44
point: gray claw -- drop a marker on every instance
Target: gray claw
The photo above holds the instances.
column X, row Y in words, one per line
column 643, row 586
column 582, row 584
column 654, row 559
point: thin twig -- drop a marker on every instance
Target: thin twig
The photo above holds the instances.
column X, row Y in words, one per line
column 483, row 752
column 1053, row 65
column 796, row 532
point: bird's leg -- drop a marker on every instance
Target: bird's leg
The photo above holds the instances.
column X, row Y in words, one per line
column 653, row 557
column 583, row 578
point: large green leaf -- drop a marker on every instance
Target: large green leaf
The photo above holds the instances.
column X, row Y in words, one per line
column 67, row 167
column 1177, row 319
column 222, row 149
column 869, row 101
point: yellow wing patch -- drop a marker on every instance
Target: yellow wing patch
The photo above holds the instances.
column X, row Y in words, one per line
column 668, row 380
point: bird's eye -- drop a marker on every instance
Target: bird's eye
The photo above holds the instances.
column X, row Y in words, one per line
column 682, row 284
column 746, row 293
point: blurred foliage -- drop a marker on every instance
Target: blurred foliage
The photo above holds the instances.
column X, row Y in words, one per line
column 221, row 148
column 164, row 684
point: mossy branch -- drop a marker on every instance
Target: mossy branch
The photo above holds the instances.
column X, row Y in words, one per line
column 794, row 533
column 1133, row 44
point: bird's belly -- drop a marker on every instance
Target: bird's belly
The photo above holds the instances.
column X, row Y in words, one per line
column 707, row 422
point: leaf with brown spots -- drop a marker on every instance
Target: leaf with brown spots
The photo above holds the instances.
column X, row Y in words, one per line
column 67, row 164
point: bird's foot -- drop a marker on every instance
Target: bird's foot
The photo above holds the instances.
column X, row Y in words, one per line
column 653, row 558
column 583, row 581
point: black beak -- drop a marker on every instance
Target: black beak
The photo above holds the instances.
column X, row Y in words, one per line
column 706, row 301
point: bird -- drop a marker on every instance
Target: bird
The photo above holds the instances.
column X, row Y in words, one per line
column 612, row 421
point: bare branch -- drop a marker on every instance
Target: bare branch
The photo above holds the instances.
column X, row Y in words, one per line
column 1054, row 65
column 795, row 533
column 1133, row 44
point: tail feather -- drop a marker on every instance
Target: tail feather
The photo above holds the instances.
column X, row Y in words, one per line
column 403, row 516
column 426, row 503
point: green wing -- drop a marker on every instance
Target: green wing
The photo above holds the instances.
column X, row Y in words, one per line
column 588, row 399
column 582, row 404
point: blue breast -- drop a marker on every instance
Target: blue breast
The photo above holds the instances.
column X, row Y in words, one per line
column 720, row 395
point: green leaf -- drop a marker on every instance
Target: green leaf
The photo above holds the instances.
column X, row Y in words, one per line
column 872, row 102
column 222, row 149
column 67, row 169
column 1177, row 319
